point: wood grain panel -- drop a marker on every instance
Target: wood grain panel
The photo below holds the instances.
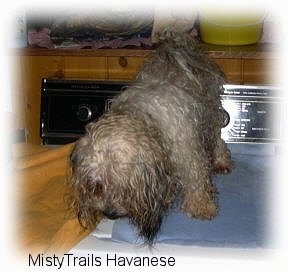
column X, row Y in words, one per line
column 257, row 72
column 231, row 68
column 124, row 68
column 85, row 67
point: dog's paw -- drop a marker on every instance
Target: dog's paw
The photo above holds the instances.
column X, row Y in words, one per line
column 223, row 166
column 205, row 209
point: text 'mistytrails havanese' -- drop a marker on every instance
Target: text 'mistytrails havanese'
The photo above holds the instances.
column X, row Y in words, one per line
column 159, row 142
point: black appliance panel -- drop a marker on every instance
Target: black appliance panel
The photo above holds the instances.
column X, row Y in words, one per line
column 68, row 105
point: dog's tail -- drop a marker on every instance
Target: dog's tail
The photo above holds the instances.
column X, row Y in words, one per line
column 181, row 38
column 186, row 51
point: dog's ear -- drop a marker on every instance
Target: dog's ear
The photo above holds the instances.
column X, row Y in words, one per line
column 146, row 214
column 158, row 192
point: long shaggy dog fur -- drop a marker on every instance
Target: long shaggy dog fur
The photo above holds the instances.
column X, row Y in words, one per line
column 160, row 141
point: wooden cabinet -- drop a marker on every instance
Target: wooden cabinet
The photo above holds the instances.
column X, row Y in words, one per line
column 243, row 65
column 84, row 67
column 124, row 68
column 231, row 69
column 259, row 70
column 246, row 71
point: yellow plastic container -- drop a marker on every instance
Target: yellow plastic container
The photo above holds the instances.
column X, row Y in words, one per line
column 232, row 29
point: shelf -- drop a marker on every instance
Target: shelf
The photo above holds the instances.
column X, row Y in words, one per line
column 255, row 51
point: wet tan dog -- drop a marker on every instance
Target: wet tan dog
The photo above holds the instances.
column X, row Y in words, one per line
column 160, row 141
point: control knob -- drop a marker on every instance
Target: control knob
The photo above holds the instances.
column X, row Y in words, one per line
column 84, row 113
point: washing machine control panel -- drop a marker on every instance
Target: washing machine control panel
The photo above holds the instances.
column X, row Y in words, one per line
column 251, row 113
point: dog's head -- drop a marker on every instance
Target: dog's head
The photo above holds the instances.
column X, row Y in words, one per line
column 121, row 168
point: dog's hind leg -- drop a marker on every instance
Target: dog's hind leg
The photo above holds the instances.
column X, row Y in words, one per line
column 222, row 162
column 199, row 194
column 201, row 202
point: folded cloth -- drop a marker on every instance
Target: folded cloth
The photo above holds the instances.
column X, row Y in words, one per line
column 243, row 218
